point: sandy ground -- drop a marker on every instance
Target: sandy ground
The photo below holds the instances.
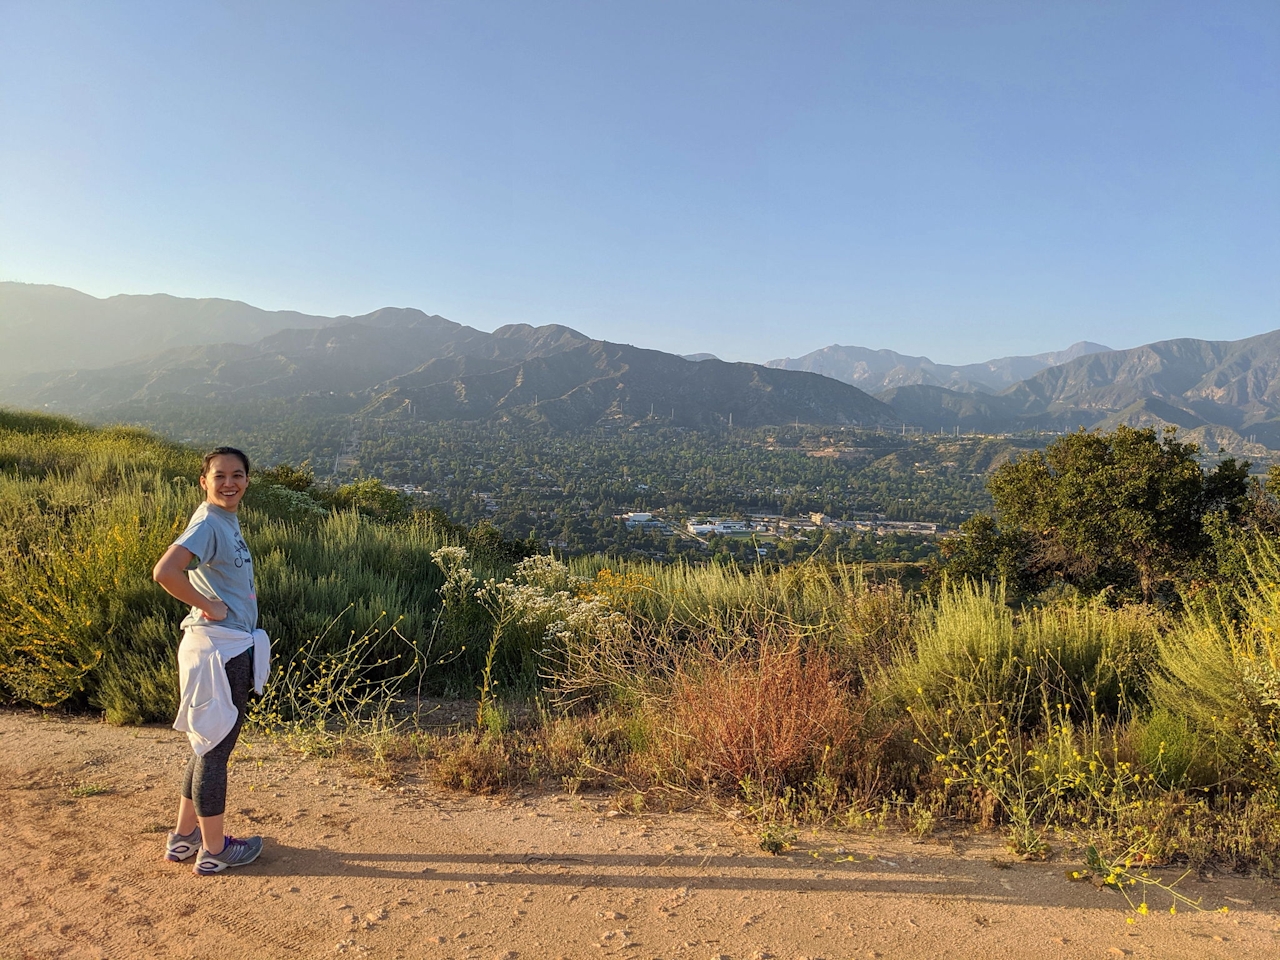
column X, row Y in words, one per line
column 353, row 868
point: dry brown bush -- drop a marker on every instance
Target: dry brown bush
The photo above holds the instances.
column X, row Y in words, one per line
column 772, row 716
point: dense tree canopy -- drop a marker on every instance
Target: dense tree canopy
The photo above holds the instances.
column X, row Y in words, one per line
column 568, row 488
column 1126, row 509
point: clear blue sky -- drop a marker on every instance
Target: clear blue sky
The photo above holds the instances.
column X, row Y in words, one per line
column 963, row 180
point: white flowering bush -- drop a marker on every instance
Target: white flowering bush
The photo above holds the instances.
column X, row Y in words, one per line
column 459, row 582
column 540, row 623
column 293, row 503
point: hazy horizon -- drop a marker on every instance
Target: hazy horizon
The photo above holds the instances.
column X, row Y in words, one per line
column 700, row 354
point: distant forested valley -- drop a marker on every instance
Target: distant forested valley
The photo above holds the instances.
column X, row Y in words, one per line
column 568, row 489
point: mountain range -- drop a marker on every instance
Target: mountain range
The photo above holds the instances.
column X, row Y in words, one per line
column 44, row 327
column 404, row 363
column 878, row 370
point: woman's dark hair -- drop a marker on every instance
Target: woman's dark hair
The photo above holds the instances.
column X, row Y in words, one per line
column 224, row 451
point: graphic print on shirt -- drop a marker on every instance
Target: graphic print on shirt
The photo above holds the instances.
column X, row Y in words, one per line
column 242, row 559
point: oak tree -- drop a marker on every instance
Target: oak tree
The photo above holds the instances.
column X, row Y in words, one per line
column 1127, row 507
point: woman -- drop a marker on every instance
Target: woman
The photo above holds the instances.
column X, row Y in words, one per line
column 221, row 655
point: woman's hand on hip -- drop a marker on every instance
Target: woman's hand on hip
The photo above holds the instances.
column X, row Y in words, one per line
column 214, row 610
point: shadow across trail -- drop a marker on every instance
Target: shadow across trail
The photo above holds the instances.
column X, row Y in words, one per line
column 933, row 878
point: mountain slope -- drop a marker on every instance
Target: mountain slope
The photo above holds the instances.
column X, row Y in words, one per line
column 1217, row 392
column 342, row 358
column 877, row 370
column 398, row 362
column 44, row 327
column 405, row 363
column 598, row 381
column 1241, row 372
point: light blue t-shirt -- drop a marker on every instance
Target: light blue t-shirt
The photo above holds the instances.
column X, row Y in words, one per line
column 224, row 569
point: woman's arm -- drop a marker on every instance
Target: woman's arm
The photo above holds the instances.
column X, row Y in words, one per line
column 171, row 573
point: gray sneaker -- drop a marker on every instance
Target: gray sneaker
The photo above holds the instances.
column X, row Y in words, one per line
column 178, row 848
column 235, row 853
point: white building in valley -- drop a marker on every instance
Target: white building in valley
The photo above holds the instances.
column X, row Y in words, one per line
column 704, row 526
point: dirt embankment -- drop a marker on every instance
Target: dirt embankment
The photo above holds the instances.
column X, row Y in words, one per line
column 351, row 868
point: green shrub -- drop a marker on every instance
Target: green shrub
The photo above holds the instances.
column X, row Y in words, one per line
column 1221, row 670
column 77, row 604
column 1166, row 746
column 970, row 649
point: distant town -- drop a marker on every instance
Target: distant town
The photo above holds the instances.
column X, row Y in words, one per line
column 774, row 525
column 766, row 530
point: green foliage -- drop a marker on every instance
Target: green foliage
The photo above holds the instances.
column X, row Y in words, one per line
column 84, row 514
column 372, row 497
column 1123, row 509
column 528, row 480
column 79, row 616
column 80, row 791
column 529, row 470
column 1220, row 669
column 982, row 551
column 776, row 838
column 299, row 479
column 969, row 648
column 1016, row 708
column 1167, row 745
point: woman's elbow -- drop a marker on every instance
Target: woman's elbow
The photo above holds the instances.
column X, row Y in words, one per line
column 165, row 570
column 171, row 566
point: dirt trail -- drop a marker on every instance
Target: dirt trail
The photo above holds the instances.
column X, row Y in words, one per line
column 351, row 868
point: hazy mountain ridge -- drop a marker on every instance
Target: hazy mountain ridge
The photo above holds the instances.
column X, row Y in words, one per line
column 1217, row 392
column 346, row 357
column 404, row 362
column 400, row 361
column 45, row 327
column 879, row 370
column 598, row 381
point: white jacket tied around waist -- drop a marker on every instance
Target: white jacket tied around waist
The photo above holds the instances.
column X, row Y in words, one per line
column 206, row 712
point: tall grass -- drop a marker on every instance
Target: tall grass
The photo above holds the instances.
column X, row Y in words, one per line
column 1220, row 670
column 969, row 647
column 80, row 619
column 832, row 606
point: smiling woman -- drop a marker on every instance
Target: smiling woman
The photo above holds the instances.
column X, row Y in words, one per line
column 225, row 477
column 221, row 655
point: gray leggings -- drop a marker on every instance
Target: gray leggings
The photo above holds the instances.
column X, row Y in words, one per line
column 206, row 781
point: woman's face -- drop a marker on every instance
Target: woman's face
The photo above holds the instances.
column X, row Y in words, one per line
column 225, row 481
